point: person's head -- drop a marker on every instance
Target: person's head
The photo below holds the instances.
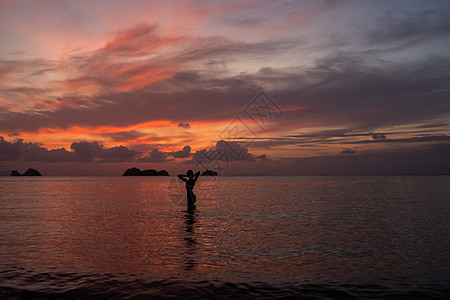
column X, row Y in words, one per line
column 190, row 173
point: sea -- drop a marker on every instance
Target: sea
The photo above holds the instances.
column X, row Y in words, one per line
column 366, row 237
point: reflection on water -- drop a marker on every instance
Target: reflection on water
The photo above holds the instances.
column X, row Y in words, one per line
column 276, row 229
column 190, row 239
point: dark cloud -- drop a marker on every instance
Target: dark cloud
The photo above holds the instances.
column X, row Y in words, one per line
column 344, row 86
column 34, row 152
column 126, row 109
column 262, row 157
column 124, row 135
column 86, row 151
column 337, row 133
column 232, row 151
column 155, row 156
column 405, row 27
column 433, row 159
column 433, row 125
column 82, row 152
column 340, row 137
column 348, row 151
column 378, row 136
column 20, row 150
column 224, row 151
column 422, row 139
column 92, row 151
column 227, row 152
column 184, row 125
column 118, row 154
column 10, row 151
column 186, row 152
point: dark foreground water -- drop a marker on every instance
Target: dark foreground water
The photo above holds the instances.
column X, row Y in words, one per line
column 250, row 237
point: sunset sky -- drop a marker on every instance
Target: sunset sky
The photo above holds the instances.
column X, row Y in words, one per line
column 249, row 87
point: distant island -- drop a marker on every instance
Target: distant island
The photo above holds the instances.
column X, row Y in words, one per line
column 209, row 173
column 29, row 172
column 137, row 172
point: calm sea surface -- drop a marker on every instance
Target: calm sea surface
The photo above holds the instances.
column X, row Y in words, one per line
column 251, row 237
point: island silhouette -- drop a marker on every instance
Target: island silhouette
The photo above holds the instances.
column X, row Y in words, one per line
column 29, row 172
column 150, row 172
column 209, row 173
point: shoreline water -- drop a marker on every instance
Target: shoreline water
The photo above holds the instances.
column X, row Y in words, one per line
column 131, row 286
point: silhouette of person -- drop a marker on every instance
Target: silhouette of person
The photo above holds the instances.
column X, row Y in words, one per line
column 190, row 183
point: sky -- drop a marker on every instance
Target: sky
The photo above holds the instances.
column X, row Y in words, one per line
column 243, row 87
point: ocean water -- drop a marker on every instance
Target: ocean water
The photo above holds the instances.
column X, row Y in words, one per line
column 250, row 237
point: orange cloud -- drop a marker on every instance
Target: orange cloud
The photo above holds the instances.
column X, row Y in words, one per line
column 81, row 85
column 139, row 40
column 123, row 64
column 145, row 79
column 164, row 134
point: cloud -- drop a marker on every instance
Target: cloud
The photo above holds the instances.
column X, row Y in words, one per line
column 118, row 154
column 81, row 152
column 20, row 150
column 421, row 139
column 10, row 151
column 262, row 157
column 186, row 152
column 348, row 151
column 378, row 136
column 138, row 68
column 184, row 125
column 334, row 138
column 92, row 151
column 227, row 152
column 86, row 151
column 232, row 151
column 34, row 152
column 134, row 41
column 406, row 27
column 123, row 136
column 376, row 97
column 429, row 160
column 155, row 156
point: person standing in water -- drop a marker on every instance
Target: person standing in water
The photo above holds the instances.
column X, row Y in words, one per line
column 190, row 183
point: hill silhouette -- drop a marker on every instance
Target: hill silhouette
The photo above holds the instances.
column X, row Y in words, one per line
column 150, row 172
column 29, row 172
column 209, row 173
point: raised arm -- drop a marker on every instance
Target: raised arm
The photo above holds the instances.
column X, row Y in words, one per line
column 181, row 176
column 195, row 176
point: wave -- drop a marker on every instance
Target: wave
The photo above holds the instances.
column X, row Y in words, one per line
column 31, row 285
